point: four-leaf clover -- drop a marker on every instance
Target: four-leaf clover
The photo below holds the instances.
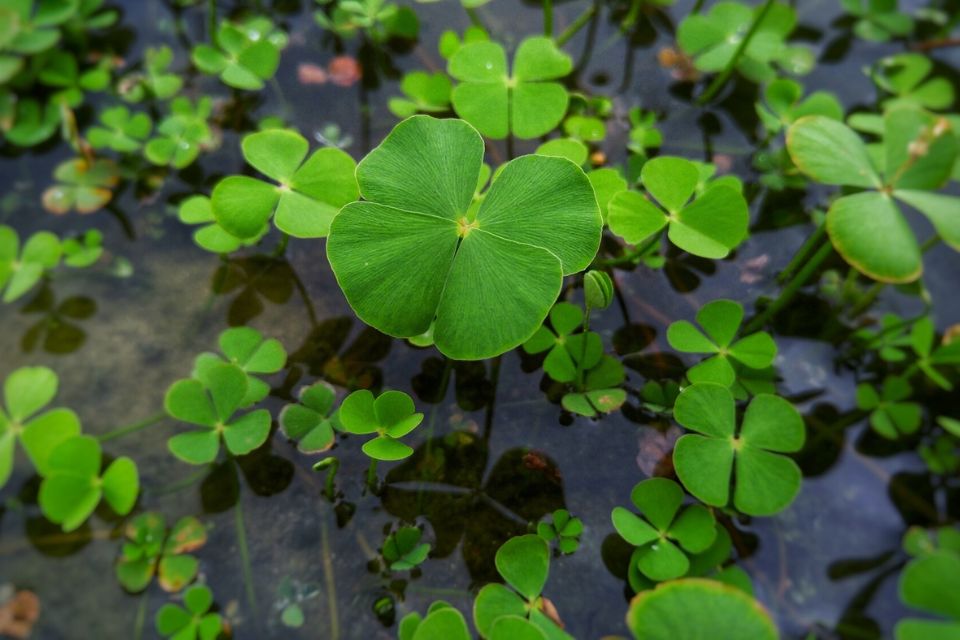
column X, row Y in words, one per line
column 310, row 422
column 193, row 621
column 890, row 415
column 248, row 349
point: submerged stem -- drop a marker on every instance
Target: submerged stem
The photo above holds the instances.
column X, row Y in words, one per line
column 791, row 289
column 120, row 432
column 575, row 26
column 245, row 558
column 721, row 79
column 803, row 252
column 548, row 18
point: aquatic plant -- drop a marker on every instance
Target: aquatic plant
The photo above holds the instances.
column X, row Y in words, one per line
column 403, row 550
column 22, row 269
column 182, row 134
column 391, row 416
column 154, row 81
column 248, row 349
column 906, row 76
column 784, row 103
column 418, row 186
column 422, row 93
column 312, row 420
column 891, row 415
column 121, row 131
column 151, row 549
column 927, row 584
column 878, row 21
column 192, row 621
column 244, row 54
column 563, row 529
column 379, row 20
column 82, row 185
column 197, row 210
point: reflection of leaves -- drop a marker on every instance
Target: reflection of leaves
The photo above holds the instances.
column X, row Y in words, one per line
column 55, row 330
column 444, row 481
column 253, row 278
column 325, row 353
column 473, row 388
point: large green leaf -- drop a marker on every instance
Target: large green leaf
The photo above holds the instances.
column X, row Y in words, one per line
column 831, row 152
column 413, row 253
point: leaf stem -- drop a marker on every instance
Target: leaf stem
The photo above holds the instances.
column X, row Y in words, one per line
column 575, row 26
column 583, row 349
column 630, row 257
column 245, row 557
column 548, row 18
column 791, row 289
column 329, row 578
column 372, row 476
column 721, row 79
column 803, row 252
column 139, row 621
column 120, row 432
column 332, row 464
column 474, row 18
column 212, row 21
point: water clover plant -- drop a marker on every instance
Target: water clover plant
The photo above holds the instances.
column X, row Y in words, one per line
column 308, row 196
column 422, row 93
column 930, row 355
column 73, row 483
column 696, row 608
column 391, row 416
column 380, row 20
column 784, row 103
column 82, row 185
column 155, row 80
column 442, row 622
column 868, row 228
column 192, row 621
column 210, row 404
column 210, row 236
column 710, row 226
column 525, row 101
column 246, row 348
column 21, row 269
column 121, row 131
column 891, row 415
column 906, row 77
column 563, row 347
column 663, row 535
column 598, row 391
column 524, row 563
column 26, row 391
column 83, row 250
column 182, row 134
column 721, row 320
column 878, row 20
column 764, row 481
column 151, row 549
column 714, row 37
column 929, row 583
column 403, row 550
column 312, row 420
column 562, row 528
column 415, row 253
column 245, row 54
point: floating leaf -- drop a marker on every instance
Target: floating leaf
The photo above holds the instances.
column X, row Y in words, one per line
column 248, row 349
column 391, row 416
column 310, row 422
column 81, row 185
column 20, row 269
column 246, row 54
column 403, row 549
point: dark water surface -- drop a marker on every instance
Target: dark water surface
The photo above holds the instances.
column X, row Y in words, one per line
column 140, row 333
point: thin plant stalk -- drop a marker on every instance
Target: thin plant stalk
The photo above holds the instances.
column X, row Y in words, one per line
column 372, row 480
column 791, row 289
column 548, row 18
column 329, row 578
column 474, row 17
column 579, row 23
column 245, row 558
column 141, row 618
column 120, row 432
column 721, row 79
column 583, row 349
column 332, row 464
column 803, row 252
column 212, row 21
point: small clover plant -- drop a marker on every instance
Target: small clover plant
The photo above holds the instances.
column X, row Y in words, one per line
column 246, row 348
column 403, row 550
column 291, row 595
column 61, row 73
column 695, row 608
column 784, row 103
column 210, row 404
column 868, row 228
column 82, row 185
column 182, row 134
column 151, row 549
column 391, row 416
column 659, row 397
column 120, row 130
column 878, row 21
column 312, row 421
column 524, row 563
column 563, row 347
column 599, row 389
column 890, row 414
column 929, row 583
column 245, row 54
column 709, row 226
column 930, row 356
column 73, row 483
column 721, row 321
column 194, row 620
column 442, row 622
column 713, row 39
column 664, row 536
column 562, row 528
column 380, row 20
column 524, row 102
column 409, row 255
column 906, row 77
column 308, row 196
column 26, row 392
column 22, row 269
column 764, row 481
column 422, row 93
column 210, row 236
column 154, row 81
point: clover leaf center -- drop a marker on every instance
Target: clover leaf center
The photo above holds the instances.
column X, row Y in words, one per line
column 465, row 226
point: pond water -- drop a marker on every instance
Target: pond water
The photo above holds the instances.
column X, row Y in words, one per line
column 495, row 451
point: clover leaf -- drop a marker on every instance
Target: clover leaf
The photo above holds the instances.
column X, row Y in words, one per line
column 391, row 416
column 442, row 622
column 246, row 348
column 524, row 563
column 710, row 226
column 150, row 549
column 906, row 77
column 721, row 320
column 193, row 621
column 878, row 21
column 664, row 535
column 32, row 123
column 155, row 80
column 210, row 404
column 246, row 54
column 83, row 251
column 784, row 104
column 182, row 134
column 890, row 416
column 562, row 527
column 929, row 357
column 26, row 392
column 424, row 92
column 82, row 184
column 403, row 549
column 416, row 252
column 312, row 421
column 61, row 72
column 211, row 236
column 868, row 228
column 765, row 482
column 524, row 102
column 121, row 131
column 698, row 608
column 73, row 484
column 929, row 583
column 599, row 390
column 21, row 269
column 713, row 39
column 565, row 350
column 310, row 191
